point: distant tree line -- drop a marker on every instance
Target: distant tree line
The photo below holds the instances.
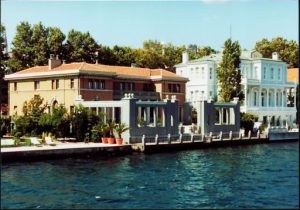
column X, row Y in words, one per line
column 33, row 44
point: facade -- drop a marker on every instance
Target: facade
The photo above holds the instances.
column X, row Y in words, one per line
column 64, row 83
column 264, row 84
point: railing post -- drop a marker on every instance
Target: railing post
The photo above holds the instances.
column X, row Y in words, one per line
column 180, row 138
column 210, row 137
column 249, row 135
column 240, row 135
column 203, row 138
column 156, row 139
column 221, row 135
column 230, row 135
column 258, row 134
column 143, row 140
column 169, row 138
column 192, row 137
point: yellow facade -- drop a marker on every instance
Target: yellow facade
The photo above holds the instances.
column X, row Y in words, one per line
column 26, row 90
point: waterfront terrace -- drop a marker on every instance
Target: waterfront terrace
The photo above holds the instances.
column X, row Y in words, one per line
column 61, row 83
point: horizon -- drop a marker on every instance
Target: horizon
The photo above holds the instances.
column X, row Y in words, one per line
column 130, row 23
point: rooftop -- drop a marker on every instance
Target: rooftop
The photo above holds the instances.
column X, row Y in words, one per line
column 83, row 67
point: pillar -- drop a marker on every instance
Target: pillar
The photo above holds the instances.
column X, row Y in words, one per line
column 259, row 97
column 267, row 98
column 275, row 98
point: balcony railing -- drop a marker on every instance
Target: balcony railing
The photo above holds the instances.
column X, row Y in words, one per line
column 143, row 95
column 264, row 108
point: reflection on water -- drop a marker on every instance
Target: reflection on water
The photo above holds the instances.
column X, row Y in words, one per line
column 257, row 176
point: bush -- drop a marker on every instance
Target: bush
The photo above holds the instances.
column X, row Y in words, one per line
column 247, row 122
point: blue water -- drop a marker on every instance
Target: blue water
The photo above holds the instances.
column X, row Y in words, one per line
column 255, row 176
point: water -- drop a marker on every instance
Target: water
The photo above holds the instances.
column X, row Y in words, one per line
column 256, row 176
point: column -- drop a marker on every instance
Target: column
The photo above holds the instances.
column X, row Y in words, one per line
column 105, row 118
column 275, row 98
column 246, row 95
column 155, row 116
column 282, row 98
column 267, row 98
column 259, row 97
column 148, row 115
column 113, row 113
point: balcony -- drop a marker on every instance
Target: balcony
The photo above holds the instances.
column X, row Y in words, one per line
column 250, row 81
column 268, row 109
column 143, row 95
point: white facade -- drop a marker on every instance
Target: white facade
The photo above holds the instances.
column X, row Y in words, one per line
column 264, row 85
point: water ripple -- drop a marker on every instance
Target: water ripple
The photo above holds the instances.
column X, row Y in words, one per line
column 257, row 176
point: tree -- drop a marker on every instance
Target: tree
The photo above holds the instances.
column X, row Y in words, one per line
column 124, row 55
column 3, row 67
column 39, row 44
column 22, row 51
column 151, row 55
column 247, row 121
column 228, row 72
column 55, row 41
column 57, row 122
column 288, row 50
column 80, row 47
column 172, row 56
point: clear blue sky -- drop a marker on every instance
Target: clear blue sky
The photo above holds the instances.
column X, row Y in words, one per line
column 129, row 23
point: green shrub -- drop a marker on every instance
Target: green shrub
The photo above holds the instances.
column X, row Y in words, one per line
column 247, row 121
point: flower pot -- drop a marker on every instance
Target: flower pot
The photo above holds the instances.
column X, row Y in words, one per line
column 104, row 140
column 119, row 141
column 111, row 140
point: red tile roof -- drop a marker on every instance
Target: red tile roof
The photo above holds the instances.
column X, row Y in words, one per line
column 119, row 70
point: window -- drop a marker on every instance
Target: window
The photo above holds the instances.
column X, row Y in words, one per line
column 202, row 72
column 90, row 84
column 96, row 84
column 210, row 73
column 272, row 73
column 53, row 84
column 57, row 84
column 255, row 72
column 71, row 83
column 170, row 87
column 16, row 109
column 15, row 86
column 265, row 72
column 279, row 74
column 210, row 93
column 255, row 97
column 102, row 84
column 36, row 85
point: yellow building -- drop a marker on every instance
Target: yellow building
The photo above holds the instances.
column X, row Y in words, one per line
column 60, row 83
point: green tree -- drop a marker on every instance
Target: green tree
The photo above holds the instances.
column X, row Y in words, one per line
column 247, row 121
column 151, row 55
column 172, row 56
column 22, row 51
column 80, row 47
column 39, row 44
column 228, row 72
column 288, row 50
column 55, row 41
column 57, row 122
column 124, row 55
column 3, row 67
column 106, row 55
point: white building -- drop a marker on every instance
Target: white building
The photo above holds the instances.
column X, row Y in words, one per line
column 264, row 84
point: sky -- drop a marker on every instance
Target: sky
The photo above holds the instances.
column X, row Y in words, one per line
column 129, row 23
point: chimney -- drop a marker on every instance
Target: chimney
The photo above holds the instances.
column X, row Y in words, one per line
column 185, row 57
column 275, row 56
column 54, row 62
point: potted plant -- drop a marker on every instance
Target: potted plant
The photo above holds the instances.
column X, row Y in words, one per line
column 105, row 131
column 120, row 128
column 111, row 126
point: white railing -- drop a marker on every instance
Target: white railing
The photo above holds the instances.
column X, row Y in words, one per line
column 264, row 108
